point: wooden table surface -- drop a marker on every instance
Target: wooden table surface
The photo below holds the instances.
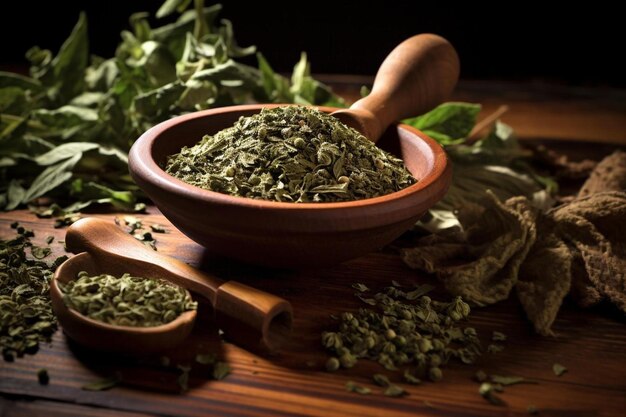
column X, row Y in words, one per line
column 591, row 343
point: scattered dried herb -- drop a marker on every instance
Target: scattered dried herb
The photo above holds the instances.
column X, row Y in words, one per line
column 509, row 380
column 183, row 378
column 26, row 317
column 205, row 358
column 480, row 376
column 498, row 336
column 102, row 384
column 359, row 389
column 221, row 370
column 493, row 348
column 360, row 287
column 332, row 364
column 157, row 228
column 290, row 154
column 43, row 377
column 395, row 391
column 126, row 300
column 558, row 369
column 488, row 392
column 381, row 380
column 421, row 335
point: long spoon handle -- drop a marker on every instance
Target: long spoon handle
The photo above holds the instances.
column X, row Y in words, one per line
column 417, row 75
column 246, row 314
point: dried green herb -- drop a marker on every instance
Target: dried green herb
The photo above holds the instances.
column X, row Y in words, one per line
column 480, row 376
column 102, row 384
column 26, row 317
column 410, row 378
column 157, row 228
column 221, row 370
column 205, row 358
column 67, row 128
column 493, row 348
column 558, row 369
column 509, row 380
column 421, row 335
column 395, row 391
column 498, row 336
column 290, row 154
column 359, row 389
column 381, row 380
column 43, row 377
column 332, row 364
column 126, row 300
column 488, row 392
column 360, row 287
column 49, row 239
column 183, row 378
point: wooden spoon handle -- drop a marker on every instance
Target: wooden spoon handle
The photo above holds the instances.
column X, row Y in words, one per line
column 108, row 243
column 417, row 75
column 249, row 316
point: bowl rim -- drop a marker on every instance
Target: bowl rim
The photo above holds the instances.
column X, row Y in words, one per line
column 148, row 170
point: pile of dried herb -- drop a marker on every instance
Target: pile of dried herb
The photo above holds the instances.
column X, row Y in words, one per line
column 126, row 300
column 26, row 317
column 67, row 127
column 292, row 154
column 407, row 329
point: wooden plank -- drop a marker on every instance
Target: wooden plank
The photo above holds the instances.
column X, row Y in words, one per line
column 590, row 345
column 26, row 408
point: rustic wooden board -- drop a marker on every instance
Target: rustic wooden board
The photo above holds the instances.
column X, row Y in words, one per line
column 591, row 344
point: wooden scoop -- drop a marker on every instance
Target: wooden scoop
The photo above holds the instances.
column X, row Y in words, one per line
column 248, row 316
column 417, row 75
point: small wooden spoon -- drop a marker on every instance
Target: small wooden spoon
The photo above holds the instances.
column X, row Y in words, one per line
column 417, row 75
column 248, row 316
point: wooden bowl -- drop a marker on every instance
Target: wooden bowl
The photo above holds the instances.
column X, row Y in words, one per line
column 276, row 234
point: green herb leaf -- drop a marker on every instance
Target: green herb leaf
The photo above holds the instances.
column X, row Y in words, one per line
column 498, row 336
column 509, row 380
column 221, row 370
column 205, row 358
column 359, row 389
column 360, row 287
column 487, row 391
column 102, row 384
column 395, row 391
column 447, row 123
column 558, row 369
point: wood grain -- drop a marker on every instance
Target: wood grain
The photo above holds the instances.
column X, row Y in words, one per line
column 536, row 110
column 590, row 345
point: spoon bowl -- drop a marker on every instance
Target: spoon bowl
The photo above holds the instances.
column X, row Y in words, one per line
column 98, row 335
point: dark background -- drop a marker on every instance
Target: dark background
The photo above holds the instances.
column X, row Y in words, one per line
column 572, row 45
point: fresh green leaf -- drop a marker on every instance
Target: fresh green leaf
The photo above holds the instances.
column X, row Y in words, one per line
column 15, row 195
column 170, row 6
column 50, row 178
column 63, row 152
column 9, row 79
column 447, row 123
